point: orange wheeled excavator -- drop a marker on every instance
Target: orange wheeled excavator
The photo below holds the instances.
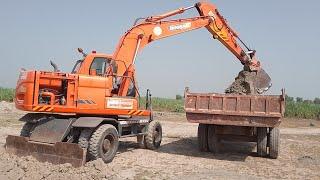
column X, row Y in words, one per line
column 81, row 115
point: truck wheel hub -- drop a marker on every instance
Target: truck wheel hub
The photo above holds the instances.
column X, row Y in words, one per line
column 106, row 145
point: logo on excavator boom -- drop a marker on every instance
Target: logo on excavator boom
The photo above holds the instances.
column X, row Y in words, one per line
column 157, row 31
column 180, row 26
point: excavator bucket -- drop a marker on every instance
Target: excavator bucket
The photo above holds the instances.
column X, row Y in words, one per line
column 262, row 81
column 58, row 153
column 250, row 82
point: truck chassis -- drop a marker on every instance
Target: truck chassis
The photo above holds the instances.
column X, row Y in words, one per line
column 230, row 117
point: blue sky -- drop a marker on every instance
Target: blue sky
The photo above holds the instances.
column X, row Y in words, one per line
column 284, row 33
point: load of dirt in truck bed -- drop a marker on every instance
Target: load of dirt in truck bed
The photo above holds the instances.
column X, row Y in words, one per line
column 243, row 83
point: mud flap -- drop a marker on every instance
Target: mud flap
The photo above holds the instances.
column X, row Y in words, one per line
column 57, row 153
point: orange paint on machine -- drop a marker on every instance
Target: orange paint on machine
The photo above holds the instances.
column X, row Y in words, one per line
column 100, row 97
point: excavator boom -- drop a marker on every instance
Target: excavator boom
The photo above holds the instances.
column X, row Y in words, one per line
column 158, row 27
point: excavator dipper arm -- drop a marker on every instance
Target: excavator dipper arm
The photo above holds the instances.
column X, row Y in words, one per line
column 220, row 30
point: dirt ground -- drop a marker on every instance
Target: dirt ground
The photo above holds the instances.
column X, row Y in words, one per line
column 178, row 156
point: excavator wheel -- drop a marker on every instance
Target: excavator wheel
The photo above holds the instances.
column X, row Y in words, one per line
column 84, row 138
column 153, row 137
column 104, row 143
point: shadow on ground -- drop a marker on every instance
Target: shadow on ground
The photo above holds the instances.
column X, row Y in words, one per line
column 230, row 151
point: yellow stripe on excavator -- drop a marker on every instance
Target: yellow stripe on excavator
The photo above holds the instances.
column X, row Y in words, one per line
column 43, row 108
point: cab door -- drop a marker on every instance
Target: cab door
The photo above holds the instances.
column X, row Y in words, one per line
column 94, row 87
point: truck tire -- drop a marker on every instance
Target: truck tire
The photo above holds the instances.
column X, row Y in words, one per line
column 274, row 138
column 203, row 137
column 213, row 143
column 153, row 136
column 27, row 129
column 262, row 141
column 103, row 143
column 84, row 138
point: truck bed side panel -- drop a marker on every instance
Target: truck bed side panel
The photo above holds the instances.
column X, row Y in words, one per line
column 242, row 110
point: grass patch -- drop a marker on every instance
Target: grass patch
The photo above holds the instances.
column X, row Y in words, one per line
column 302, row 110
column 6, row 94
column 165, row 104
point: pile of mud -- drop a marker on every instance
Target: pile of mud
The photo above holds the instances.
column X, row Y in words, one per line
column 243, row 84
column 13, row 167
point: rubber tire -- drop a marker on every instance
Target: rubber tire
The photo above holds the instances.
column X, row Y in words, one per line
column 95, row 149
column 84, row 138
column 213, row 143
column 27, row 128
column 262, row 141
column 274, row 138
column 149, row 138
column 203, row 137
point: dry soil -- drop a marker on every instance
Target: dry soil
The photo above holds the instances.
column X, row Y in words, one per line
column 178, row 156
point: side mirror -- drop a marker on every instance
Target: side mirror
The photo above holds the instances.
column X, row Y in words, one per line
column 80, row 50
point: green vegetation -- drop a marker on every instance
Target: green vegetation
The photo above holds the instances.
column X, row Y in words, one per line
column 179, row 97
column 6, row 94
column 165, row 104
column 302, row 108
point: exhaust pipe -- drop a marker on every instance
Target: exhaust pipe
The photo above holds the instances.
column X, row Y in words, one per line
column 55, row 67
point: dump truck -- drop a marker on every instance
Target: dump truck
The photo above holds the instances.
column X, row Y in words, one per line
column 234, row 117
column 80, row 115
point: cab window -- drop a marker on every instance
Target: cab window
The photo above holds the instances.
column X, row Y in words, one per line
column 98, row 66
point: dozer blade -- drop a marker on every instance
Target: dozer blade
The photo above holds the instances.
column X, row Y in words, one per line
column 58, row 153
column 262, row 81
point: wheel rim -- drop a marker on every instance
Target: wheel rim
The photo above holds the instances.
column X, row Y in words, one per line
column 108, row 144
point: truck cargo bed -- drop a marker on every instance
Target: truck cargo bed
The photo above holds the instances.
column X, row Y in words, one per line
column 235, row 110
